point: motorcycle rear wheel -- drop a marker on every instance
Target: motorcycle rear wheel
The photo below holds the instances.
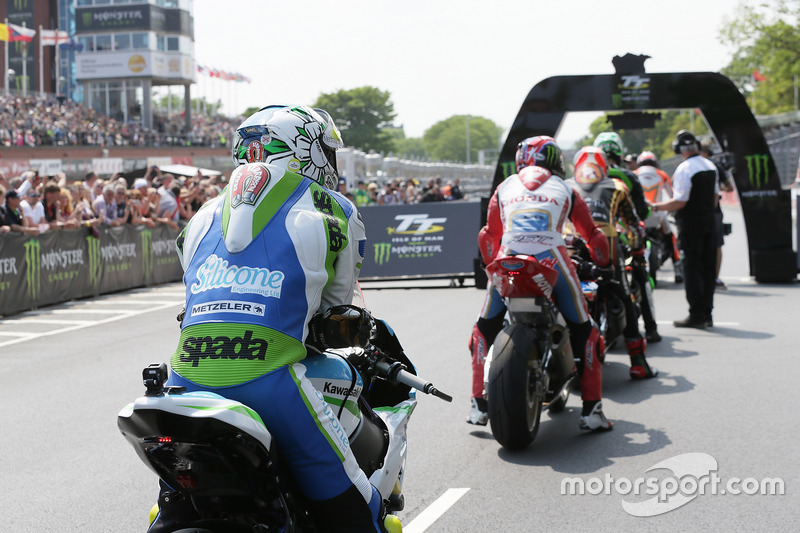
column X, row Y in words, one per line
column 514, row 390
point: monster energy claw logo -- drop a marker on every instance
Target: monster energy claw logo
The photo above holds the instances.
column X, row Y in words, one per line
column 758, row 164
column 147, row 252
column 551, row 156
column 33, row 267
column 508, row 168
column 382, row 251
column 95, row 261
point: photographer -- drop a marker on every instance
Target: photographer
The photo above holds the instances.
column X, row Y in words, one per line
column 724, row 185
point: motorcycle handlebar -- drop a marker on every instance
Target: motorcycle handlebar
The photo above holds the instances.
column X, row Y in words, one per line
column 397, row 372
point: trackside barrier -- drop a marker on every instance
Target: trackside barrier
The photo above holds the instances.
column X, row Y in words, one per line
column 427, row 240
column 58, row 266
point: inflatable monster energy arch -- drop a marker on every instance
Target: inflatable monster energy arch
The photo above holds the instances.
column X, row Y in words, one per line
column 765, row 205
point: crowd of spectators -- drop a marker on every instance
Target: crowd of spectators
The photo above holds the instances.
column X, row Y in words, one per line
column 399, row 191
column 40, row 121
column 33, row 204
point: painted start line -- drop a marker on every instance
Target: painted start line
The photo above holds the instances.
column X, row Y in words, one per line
column 63, row 317
column 434, row 511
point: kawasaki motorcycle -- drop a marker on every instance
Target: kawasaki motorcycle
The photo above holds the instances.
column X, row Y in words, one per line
column 220, row 458
column 530, row 366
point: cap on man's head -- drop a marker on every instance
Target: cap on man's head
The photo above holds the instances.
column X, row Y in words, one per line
column 342, row 181
column 12, row 194
column 139, row 183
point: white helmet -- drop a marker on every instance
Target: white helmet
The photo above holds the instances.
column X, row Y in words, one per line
column 297, row 138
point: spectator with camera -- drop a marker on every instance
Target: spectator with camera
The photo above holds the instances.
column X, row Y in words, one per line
column 724, row 186
column 105, row 206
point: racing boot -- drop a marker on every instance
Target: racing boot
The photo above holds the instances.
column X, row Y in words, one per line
column 640, row 369
column 592, row 417
column 479, row 412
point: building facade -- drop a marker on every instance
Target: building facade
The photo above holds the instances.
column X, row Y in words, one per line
column 128, row 47
column 118, row 51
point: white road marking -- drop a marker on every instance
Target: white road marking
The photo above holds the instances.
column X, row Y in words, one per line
column 85, row 311
column 118, row 315
column 137, row 302
column 434, row 511
column 43, row 321
column 716, row 323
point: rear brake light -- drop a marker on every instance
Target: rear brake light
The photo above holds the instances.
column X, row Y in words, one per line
column 164, row 439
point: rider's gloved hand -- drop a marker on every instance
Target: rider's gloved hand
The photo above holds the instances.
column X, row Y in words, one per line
column 586, row 270
column 385, row 338
column 341, row 326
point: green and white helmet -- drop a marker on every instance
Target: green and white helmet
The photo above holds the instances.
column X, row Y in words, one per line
column 611, row 143
column 300, row 139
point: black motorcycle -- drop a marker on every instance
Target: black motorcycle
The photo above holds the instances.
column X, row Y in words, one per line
column 530, row 366
column 603, row 294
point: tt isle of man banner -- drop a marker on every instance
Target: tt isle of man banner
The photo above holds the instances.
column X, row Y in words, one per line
column 434, row 239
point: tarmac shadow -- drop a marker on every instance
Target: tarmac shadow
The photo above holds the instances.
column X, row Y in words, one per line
column 564, row 447
column 618, row 386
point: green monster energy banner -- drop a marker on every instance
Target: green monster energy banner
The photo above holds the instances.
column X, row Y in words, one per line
column 62, row 265
column 433, row 239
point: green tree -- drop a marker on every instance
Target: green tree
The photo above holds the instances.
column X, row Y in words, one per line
column 406, row 147
column 765, row 38
column 361, row 114
column 249, row 111
column 657, row 139
column 447, row 139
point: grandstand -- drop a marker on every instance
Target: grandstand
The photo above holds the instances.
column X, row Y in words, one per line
column 782, row 132
column 42, row 121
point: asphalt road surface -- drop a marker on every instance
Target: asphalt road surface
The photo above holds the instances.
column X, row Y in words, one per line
column 721, row 418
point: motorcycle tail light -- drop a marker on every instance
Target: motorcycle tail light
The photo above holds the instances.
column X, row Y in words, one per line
column 165, row 439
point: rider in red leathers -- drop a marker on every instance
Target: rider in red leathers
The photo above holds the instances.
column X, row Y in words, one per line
column 526, row 215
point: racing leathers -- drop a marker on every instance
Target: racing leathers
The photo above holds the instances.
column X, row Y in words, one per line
column 638, row 266
column 526, row 215
column 259, row 260
column 609, row 203
column 657, row 187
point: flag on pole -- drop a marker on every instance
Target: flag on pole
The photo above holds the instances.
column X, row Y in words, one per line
column 53, row 37
column 757, row 76
column 13, row 33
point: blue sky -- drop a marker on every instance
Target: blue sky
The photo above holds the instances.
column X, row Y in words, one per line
column 440, row 58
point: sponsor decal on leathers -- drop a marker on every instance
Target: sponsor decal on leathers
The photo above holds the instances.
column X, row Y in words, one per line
column 217, row 273
column 195, row 349
column 227, row 306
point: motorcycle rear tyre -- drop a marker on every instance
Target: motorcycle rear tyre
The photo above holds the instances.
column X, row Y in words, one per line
column 515, row 409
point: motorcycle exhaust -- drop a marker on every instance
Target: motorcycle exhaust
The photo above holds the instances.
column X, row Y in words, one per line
column 563, row 360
